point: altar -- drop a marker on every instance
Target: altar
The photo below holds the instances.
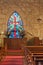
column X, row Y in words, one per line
column 14, row 43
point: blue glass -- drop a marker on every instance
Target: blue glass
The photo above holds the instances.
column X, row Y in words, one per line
column 15, row 23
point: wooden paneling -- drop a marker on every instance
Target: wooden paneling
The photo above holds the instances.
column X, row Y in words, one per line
column 35, row 41
column 14, row 43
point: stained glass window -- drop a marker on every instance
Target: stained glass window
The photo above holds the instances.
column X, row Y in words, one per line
column 15, row 26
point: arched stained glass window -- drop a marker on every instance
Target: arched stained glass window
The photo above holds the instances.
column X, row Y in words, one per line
column 15, row 26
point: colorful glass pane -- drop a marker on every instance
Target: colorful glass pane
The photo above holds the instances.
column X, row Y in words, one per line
column 15, row 25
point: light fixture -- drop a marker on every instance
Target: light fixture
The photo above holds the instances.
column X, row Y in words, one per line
column 2, row 33
column 39, row 19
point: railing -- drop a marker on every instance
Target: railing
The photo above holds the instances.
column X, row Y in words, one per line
column 28, row 57
column 2, row 53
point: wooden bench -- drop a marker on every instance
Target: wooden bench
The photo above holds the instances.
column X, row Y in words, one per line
column 36, row 53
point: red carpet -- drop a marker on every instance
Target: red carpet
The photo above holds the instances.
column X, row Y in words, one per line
column 13, row 60
column 15, row 52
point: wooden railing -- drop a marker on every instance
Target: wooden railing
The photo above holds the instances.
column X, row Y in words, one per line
column 2, row 53
column 28, row 57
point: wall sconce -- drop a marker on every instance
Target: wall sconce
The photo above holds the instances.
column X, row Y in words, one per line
column 39, row 20
column 2, row 33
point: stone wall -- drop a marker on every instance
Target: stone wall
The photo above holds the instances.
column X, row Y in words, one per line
column 29, row 10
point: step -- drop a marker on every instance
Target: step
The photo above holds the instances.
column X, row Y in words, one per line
column 15, row 52
column 13, row 60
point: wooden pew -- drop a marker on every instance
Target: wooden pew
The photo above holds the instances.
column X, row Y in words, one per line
column 36, row 53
